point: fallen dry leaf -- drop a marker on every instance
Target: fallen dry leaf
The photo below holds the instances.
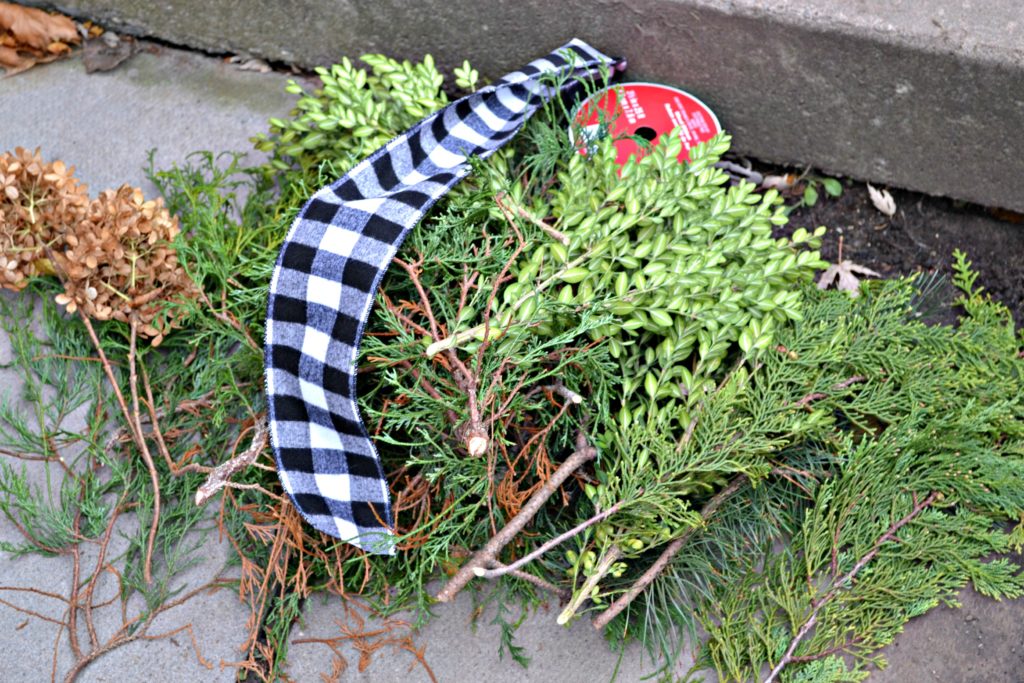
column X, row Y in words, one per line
column 846, row 272
column 738, row 172
column 247, row 64
column 782, row 183
column 107, row 51
column 34, row 27
column 30, row 36
column 882, row 200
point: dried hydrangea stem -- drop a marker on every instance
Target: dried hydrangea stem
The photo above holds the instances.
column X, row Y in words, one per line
column 147, row 457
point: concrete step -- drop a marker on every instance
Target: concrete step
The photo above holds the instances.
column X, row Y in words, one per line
column 921, row 94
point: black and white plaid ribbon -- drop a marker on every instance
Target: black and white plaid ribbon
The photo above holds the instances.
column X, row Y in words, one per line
column 323, row 286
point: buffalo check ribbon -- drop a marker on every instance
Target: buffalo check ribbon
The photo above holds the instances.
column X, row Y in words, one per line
column 323, row 285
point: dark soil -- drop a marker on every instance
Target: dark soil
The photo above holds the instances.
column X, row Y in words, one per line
column 921, row 236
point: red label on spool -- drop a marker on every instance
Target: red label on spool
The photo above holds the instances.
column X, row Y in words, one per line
column 645, row 110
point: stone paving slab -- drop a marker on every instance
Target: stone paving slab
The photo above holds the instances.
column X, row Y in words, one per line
column 178, row 102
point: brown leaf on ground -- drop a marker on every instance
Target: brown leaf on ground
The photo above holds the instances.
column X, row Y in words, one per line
column 845, row 274
column 30, row 36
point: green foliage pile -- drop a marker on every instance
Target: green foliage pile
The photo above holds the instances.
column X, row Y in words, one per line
column 805, row 470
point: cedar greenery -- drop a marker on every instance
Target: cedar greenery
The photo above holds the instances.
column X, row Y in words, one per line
column 634, row 367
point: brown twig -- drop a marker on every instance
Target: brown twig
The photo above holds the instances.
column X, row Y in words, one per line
column 565, row 392
column 154, row 423
column 817, row 604
column 560, row 593
column 230, row 320
column 108, row 369
column 488, row 554
column 847, row 382
column 147, row 457
column 221, row 475
column 557, row 540
column 709, row 509
column 429, row 388
column 412, row 270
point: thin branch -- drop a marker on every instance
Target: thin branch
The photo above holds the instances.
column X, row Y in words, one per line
column 561, row 593
column 488, row 554
column 108, row 369
column 709, row 509
column 583, row 594
column 847, row 382
column 133, row 385
column 430, row 389
column 412, row 271
column 812, row 620
column 500, row 199
column 230, row 320
column 464, row 336
column 565, row 392
column 154, row 423
column 557, row 540
column 221, row 475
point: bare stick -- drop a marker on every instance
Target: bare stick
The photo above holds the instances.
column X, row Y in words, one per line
column 565, row 392
column 561, row 593
column 488, row 554
column 108, row 369
column 133, row 385
column 848, row 382
column 221, row 475
column 154, row 423
column 817, row 604
column 709, row 509
column 554, row 234
column 561, row 538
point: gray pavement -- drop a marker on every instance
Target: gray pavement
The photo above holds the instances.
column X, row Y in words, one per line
column 178, row 102
column 920, row 94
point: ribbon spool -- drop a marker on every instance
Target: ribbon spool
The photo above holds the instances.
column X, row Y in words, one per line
column 635, row 114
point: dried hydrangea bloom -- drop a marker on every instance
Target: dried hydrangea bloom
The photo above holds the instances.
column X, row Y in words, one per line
column 119, row 263
column 39, row 201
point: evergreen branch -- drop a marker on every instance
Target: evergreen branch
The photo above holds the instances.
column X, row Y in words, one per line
column 229, row 319
column 666, row 556
column 557, row 540
column 464, row 336
column 584, row 593
column 489, row 552
column 818, row 604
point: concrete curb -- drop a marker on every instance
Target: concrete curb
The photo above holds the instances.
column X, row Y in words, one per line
column 923, row 95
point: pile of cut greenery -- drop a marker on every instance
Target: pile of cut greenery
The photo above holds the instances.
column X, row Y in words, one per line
column 610, row 388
